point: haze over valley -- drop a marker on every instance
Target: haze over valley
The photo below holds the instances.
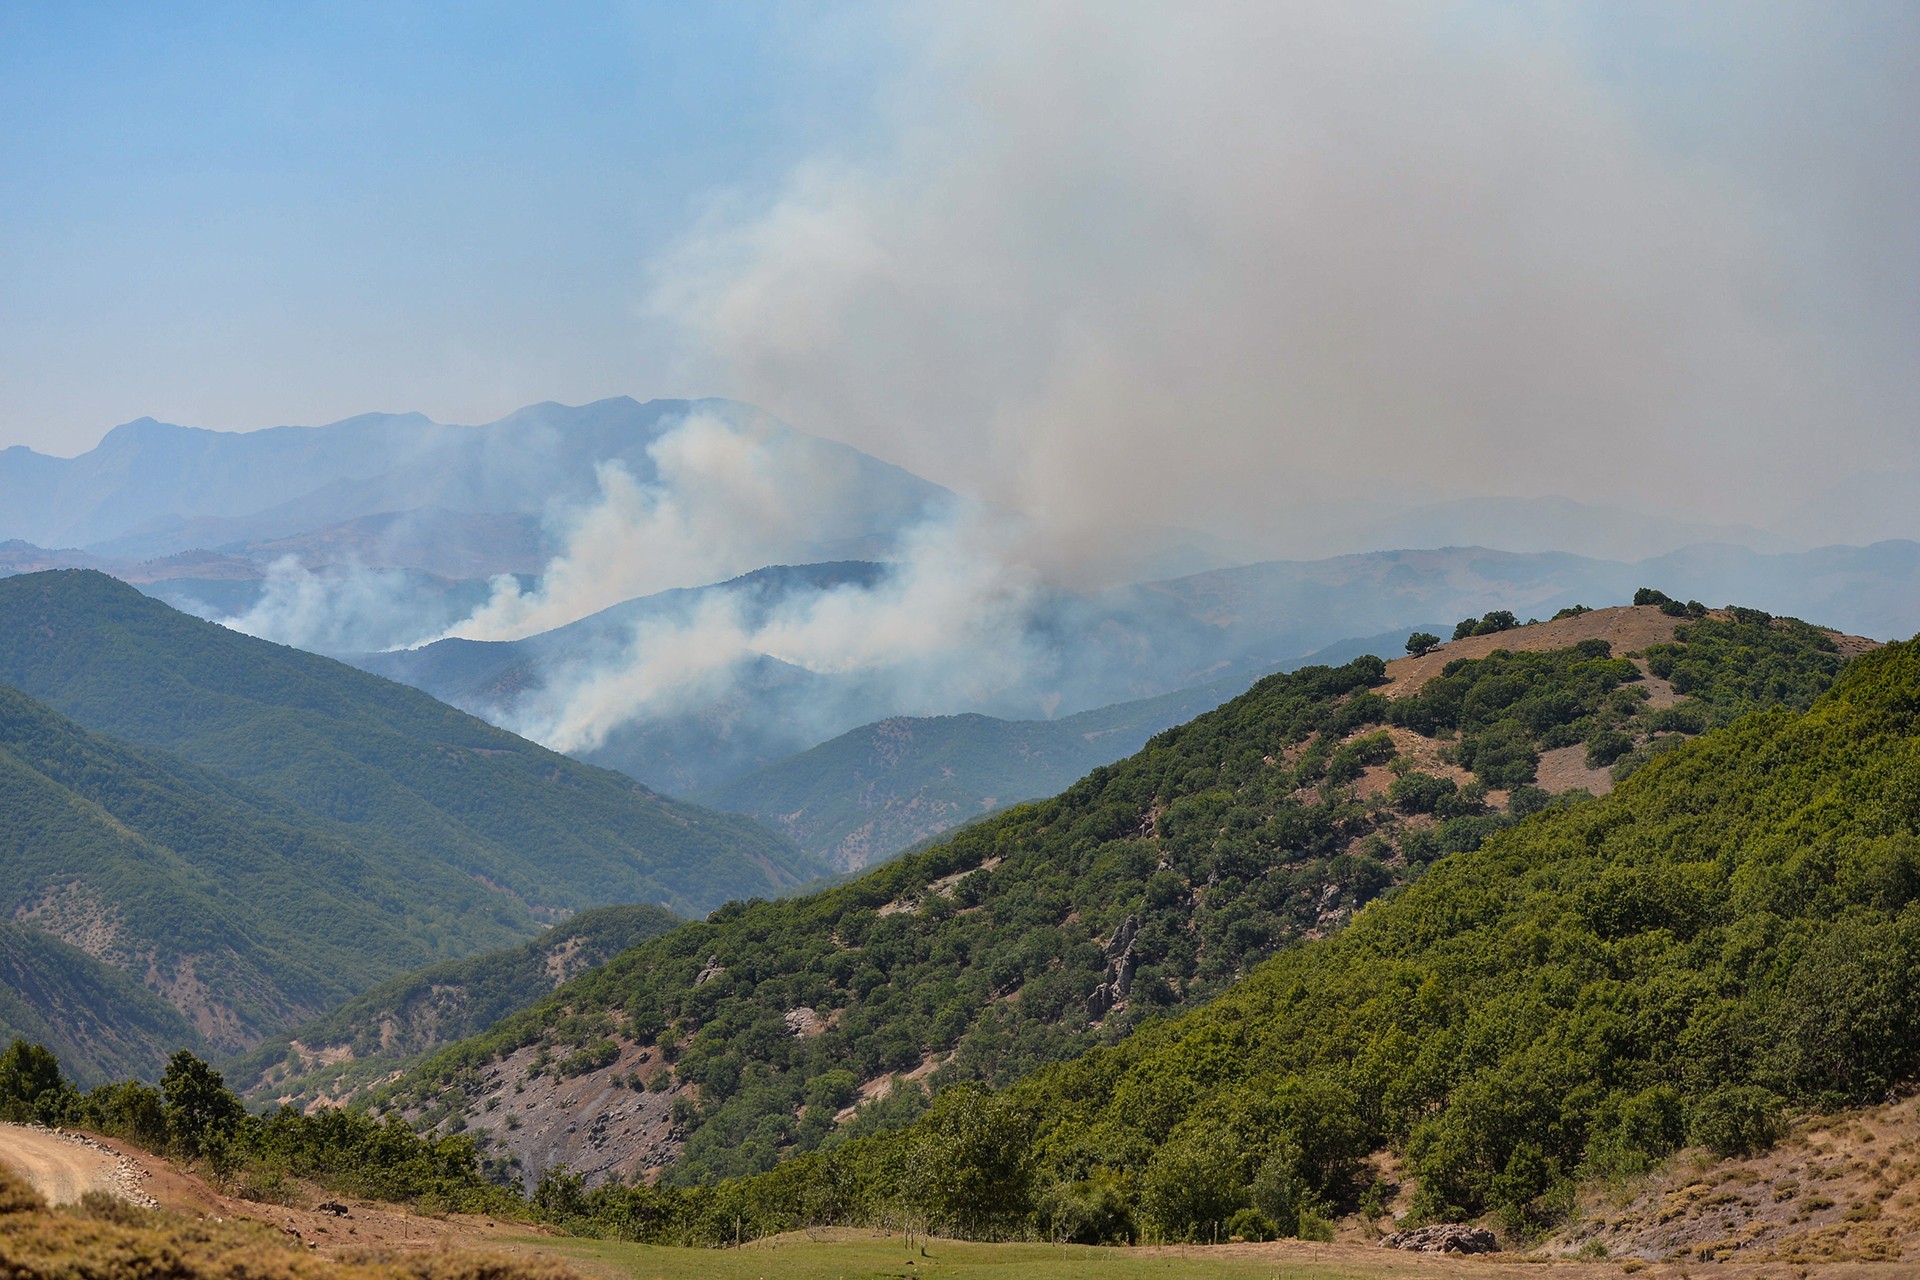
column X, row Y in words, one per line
column 807, row 639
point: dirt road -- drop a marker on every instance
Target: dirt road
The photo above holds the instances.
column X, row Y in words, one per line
column 60, row 1170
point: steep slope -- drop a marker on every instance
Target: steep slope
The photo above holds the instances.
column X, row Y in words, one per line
column 100, row 1023
column 1148, row 887
column 1067, row 652
column 243, row 912
column 414, row 1014
column 881, row 787
column 1734, row 932
column 543, row 834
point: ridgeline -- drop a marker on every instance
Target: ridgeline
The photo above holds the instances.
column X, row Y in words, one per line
column 1148, row 888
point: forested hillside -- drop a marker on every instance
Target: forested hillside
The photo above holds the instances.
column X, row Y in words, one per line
column 245, row 913
column 1147, row 888
column 101, row 1023
column 878, row 789
column 544, row 834
column 1732, row 934
column 414, row 1014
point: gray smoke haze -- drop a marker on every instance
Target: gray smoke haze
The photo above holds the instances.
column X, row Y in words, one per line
column 723, row 499
column 1223, row 265
column 948, row 627
column 1271, row 271
column 945, row 629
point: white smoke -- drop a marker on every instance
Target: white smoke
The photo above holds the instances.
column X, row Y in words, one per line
column 945, row 629
column 341, row 608
column 1234, row 266
column 716, row 507
column 1243, row 267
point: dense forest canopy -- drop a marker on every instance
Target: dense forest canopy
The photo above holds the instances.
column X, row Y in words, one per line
column 1147, row 888
column 1732, row 933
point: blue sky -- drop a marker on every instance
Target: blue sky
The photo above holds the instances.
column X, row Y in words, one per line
column 1101, row 257
column 235, row 214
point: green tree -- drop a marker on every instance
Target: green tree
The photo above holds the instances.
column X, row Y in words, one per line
column 1422, row 642
column 969, row 1169
column 202, row 1115
column 31, row 1086
column 1195, row 1183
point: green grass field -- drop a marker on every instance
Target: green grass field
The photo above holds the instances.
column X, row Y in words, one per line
column 850, row 1256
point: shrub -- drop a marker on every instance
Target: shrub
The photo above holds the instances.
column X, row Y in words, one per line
column 1417, row 792
column 1193, row 1184
column 1096, row 1210
column 1604, row 746
column 1737, row 1120
column 31, row 1086
column 1251, row 1224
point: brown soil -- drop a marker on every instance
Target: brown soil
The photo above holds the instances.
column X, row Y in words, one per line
column 1843, row 1188
column 1627, row 628
column 60, row 1170
column 1565, row 769
column 366, row 1224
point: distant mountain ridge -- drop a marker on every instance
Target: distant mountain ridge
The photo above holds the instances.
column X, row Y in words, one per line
column 882, row 787
column 547, row 833
column 243, row 912
column 152, row 489
column 270, row 832
column 1100, row 649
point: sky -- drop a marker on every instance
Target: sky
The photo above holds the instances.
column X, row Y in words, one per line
column 243, row 215
column 1096, row 262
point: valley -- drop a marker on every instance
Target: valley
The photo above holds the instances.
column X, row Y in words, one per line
column 798, row 641
column 1222, row 946
column 1147, row 888
column 1199, row 876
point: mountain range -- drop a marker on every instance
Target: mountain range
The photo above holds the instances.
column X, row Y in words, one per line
column 152, row 489
column 1657, row 979
column 1199, row 990
column 254, row 834
column 1148, row 887
column 361, row 536
column 781, row 741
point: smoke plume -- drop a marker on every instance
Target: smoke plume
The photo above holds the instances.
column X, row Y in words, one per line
column 1235, row 265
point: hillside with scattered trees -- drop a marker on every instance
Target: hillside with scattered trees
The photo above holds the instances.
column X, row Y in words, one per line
column 1147, row 889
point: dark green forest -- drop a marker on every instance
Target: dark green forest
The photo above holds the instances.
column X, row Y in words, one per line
column 409, row 776
column 1731, row 936
column 1144, row 890
column 257, row 913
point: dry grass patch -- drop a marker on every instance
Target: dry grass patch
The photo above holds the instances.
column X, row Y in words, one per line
column 104, row 1238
